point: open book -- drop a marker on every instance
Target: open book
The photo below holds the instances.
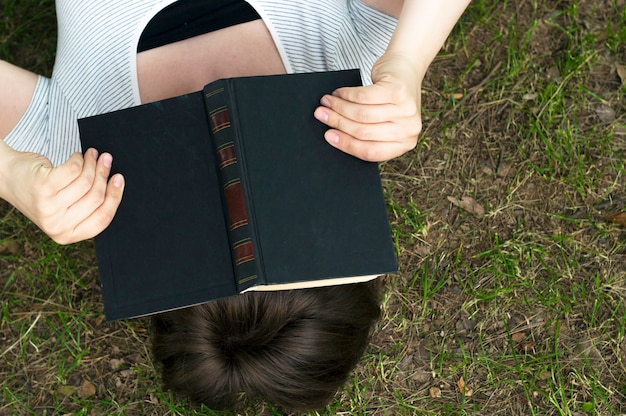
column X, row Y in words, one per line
column 231, row 189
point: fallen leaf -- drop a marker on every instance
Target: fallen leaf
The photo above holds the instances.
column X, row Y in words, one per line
column 421, row 376
column 66, row 391
column 605, row 113
column 616, row 217
column 469, row 204
column 9, row 247
column 463, row 388
column 554, row 74
column 435, row 392
column 461, row 384
column 115, row 363
column 87, row 389
column 518, row 336
column 621, row 71
column 126, row 373
column 456, row 95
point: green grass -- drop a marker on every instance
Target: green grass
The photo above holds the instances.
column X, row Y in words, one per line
column 526, row 303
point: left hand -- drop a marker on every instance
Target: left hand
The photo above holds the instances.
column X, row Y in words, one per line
column 380, row 121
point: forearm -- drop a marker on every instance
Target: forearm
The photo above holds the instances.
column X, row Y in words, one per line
column 7, row 155
column 423, row 27
column 383, row 120
column 16, row 91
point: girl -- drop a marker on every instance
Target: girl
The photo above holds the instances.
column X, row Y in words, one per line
column 294, row 348
column 99, row 69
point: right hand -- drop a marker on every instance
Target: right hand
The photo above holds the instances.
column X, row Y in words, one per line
column 71, row 202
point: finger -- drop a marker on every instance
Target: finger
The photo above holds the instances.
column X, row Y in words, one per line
column 82, row 183
column 372, row 151
column 382, row 131
column 101, row 217
column 63, row 175
column 379, row 93
column 362, row 113
column 96, row 177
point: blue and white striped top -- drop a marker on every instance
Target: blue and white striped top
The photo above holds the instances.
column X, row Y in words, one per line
column 95, row 68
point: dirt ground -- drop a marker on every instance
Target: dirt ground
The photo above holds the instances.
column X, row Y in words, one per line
column 509, row 221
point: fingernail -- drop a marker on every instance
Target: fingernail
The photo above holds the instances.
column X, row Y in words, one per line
column 321, row 115
column 118, row 180
column 107, row 160
column 331, row 137
column 94, row 153
column 325, row 101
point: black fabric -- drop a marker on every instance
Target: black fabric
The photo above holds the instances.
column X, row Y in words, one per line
column 185, row 19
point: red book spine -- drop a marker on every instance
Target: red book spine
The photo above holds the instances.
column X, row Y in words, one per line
column 239, row 228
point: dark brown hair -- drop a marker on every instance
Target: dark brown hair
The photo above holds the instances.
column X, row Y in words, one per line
column 293, row 348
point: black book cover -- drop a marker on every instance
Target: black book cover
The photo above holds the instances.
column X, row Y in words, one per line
column 313, row 212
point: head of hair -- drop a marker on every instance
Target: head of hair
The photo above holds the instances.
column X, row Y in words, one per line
column 293, row 348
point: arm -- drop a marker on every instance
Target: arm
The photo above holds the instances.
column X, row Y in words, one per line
column 383, row 120
column 71, row 202
column 17, row 86
column 423, row 27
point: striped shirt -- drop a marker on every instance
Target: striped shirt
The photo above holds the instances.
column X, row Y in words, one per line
column 95, row 67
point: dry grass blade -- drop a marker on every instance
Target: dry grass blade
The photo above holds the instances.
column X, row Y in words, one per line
column 22, row 337
column 508, row 220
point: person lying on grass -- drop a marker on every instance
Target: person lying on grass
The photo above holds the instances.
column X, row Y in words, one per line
column 119, row 53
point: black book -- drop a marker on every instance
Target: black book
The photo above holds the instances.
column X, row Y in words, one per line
column 231, row 189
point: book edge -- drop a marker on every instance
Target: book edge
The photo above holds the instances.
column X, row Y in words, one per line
column 312, row 283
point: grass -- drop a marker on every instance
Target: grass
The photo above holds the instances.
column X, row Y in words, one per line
column 518, row 311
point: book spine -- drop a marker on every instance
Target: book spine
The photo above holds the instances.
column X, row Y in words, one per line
column 220, row 115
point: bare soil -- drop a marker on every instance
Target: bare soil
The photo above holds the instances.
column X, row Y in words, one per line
column 513, row 264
